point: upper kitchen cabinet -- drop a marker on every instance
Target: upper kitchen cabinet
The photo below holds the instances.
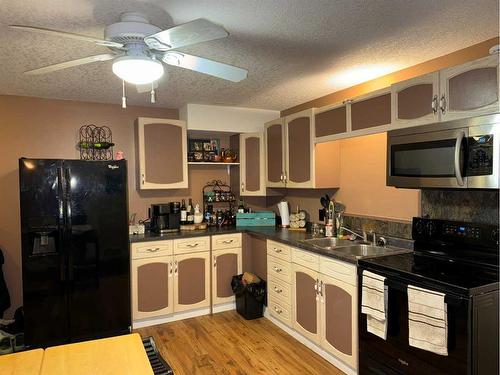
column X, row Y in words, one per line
column 162, row 153
column 370, row 111
column 469, row 89
column 274, row 133
column 331, row 120
column 299, row 150
column 415, row 101
column 252, row 164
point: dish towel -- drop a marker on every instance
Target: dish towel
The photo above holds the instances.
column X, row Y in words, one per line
column 374, row 303
column 427, row 320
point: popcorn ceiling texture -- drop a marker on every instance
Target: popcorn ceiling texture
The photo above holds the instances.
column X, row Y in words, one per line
column 292, row 48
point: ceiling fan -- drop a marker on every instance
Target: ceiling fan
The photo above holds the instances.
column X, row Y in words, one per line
column 139, row 48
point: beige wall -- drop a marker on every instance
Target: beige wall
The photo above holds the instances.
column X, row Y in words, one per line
column 44, row 128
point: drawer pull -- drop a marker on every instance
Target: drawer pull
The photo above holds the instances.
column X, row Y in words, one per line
column 192, row 244
column 278, row 310
column 278, row 290
column 277, row 269
column 227, row 241
column 277, row 250
column 153, row 250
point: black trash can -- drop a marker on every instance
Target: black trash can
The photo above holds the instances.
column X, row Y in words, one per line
column 250, row 298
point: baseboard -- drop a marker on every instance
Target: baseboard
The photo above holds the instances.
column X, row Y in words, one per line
column 315, row 348
column 224, row 307
column 170, row 318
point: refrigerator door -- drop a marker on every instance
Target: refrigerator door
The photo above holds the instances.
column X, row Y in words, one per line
column 98, row 248
column 44, row 260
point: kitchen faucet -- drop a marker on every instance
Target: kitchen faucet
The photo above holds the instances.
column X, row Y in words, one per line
column 364, row 236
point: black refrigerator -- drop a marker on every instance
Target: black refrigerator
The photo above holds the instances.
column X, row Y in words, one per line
column 75, row 251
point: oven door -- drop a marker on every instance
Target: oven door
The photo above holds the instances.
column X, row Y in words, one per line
column 433, row 159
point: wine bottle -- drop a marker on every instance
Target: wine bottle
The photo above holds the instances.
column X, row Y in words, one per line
column 96, row 145
column 183, row 213
column 241, row 206
column 190, row 212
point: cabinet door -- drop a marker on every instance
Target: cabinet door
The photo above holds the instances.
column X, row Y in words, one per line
column 299, row 134
column 192, row 281
column 306, row 314
column 162, row 146
column 331, row 120
column 226, row 263
column 469, row 89
column 415, row 101
column 152, row 287
column 339, row 319
column 275, row 153
column 371, row 111
column 252, row 165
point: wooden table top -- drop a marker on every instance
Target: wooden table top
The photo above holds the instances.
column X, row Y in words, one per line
column 119, row 355
column 25, row 363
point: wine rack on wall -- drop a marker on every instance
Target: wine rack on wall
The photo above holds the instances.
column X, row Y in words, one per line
column 95, row 143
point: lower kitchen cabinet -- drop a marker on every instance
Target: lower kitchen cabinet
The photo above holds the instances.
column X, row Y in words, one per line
column 152, row 287
column 191, row 281
column 226, row 263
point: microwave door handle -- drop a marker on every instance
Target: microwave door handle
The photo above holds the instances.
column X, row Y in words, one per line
column 458, row 169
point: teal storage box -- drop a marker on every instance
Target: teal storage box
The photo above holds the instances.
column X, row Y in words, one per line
column 256, row 219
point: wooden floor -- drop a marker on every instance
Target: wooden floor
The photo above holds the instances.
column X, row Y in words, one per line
column 225, row 343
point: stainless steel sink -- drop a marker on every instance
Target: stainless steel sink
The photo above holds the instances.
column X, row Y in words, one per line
column 361, row 251
column 328, row 242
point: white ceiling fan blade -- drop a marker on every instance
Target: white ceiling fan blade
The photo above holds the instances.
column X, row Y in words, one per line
column 206, row 66
column 146, row 88
column 69, row 64
column 197, row 31
column 64, row 34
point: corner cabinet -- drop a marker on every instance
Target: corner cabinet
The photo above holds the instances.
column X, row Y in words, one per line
column 274, row 134
column 162, row 153
column 252, row 165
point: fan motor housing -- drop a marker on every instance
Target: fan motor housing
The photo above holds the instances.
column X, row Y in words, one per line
column 132, row 28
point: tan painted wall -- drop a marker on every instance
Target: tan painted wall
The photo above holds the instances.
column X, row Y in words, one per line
column 470, row 53
column 44, row 128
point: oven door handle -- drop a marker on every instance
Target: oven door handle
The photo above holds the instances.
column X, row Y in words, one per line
column 458, row 148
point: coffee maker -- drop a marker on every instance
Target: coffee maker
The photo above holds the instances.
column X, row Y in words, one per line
column 165, row 217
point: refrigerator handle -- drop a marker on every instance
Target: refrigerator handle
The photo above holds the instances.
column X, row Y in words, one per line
column 61, row 223
column 67, row 200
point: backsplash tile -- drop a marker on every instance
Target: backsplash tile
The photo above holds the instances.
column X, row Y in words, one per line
column 462, row 205
column 393, row 228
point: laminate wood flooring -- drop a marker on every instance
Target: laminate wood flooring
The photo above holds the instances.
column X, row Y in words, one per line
column 225, row 343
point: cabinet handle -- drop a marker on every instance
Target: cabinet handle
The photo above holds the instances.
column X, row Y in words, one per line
column 143, row 179
column 228, row 241
column 442, row 104
column 153, row 250
column 279, row 311
column 284, row 177
column 316, row 286
column 192, row 245
column 171, row 270
column 434, row 104
column 281, row 177
column 175, row 271
column 277, row 269
column 278, row 290
column 242, row 186
column 215, row 261
column 277, row 250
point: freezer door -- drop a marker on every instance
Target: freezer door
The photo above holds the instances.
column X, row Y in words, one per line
column 98, row 249
column 43, row 256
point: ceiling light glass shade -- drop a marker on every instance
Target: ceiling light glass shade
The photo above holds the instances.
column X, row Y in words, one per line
column 137, row 70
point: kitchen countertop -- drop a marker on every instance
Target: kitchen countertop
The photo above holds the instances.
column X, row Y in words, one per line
column 292, row 238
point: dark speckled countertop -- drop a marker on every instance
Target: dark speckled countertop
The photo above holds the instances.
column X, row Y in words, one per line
column 293, row 238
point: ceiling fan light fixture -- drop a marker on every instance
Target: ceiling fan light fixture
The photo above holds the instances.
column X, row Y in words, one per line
column 138, row 70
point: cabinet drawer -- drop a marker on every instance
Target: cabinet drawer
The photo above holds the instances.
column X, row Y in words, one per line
column 226, row 241
column 279, row 250
column 151, row 249
column 192, row 245
column 340, row 270
column 306, row 259
column 279, row 289
column 280, row 311
column 279, row 269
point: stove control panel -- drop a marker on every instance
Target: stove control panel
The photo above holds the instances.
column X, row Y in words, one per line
column 454, row 231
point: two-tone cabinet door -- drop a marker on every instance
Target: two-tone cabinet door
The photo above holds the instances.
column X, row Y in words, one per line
column 299, row 135
column 152, row 287
column 415, row 101
column 226, row 263
column 192, row 281
column 162, row 151
column 339, row 328
column 252, row 165
column 469, row 89
column 306, row 314
column 275, row 153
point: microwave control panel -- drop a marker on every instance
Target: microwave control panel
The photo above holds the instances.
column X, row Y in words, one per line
column 480, row 158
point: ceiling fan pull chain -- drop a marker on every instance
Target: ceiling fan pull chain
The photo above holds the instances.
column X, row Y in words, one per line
column 153, row 94
column 124, row 98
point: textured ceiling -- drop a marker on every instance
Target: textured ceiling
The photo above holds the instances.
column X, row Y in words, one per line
column 295, row 50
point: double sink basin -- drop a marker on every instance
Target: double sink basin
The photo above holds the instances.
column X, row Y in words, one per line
column 354, row 249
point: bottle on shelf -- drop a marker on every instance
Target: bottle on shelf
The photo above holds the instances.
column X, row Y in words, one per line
column 241, row 206
column 96, row 145
column 183, row 213
column 190, row 212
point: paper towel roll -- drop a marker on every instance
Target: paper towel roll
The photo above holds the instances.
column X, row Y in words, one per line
column 284, row 213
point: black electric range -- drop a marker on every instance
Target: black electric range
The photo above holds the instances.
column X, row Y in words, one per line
column 455, row 258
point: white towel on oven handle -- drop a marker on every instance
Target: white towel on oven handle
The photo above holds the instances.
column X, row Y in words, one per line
column 374, row 295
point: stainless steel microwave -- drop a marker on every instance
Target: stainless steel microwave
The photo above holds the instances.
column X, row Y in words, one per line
column 460, row 154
